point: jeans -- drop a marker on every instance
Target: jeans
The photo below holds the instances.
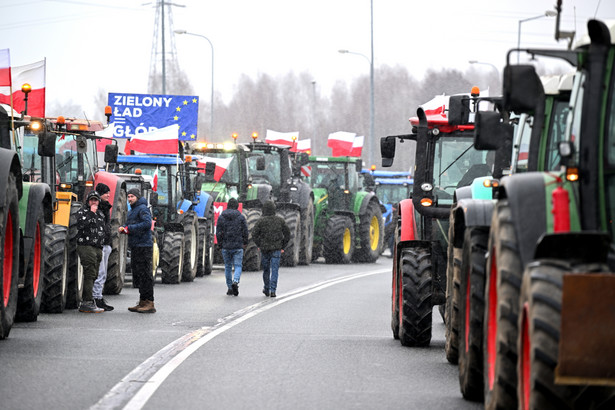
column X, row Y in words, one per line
column 102, row 273
column 232, row 257
column 141, row 266
column 271, row 265
column 90, row 260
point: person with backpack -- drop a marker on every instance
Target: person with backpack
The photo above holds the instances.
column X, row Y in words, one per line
column 232, row 236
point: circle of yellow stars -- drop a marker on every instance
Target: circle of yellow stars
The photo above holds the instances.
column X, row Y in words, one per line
column 176, row 117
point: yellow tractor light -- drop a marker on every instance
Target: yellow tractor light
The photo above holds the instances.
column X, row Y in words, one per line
column 572, row 174
column 228, row 146
column 36, row 126
column 235, row 135
column 138, row 171
column 373, row 168
column 426, row 202
column 254, row 135
column 26, row 88
column 188, row 158
column 200, row 145
column 65, row 187
column 60, row 120
column 475, row 91
column 491, row 183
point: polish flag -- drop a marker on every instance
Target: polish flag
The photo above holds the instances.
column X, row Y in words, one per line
column 160, row 141
column 5, row 68
column 357, row 147
column 106, row 137
column 282, row 138
column 33, row 74
column 155, row 181
column 303, row 146
column 221, row 165
column 340, row 143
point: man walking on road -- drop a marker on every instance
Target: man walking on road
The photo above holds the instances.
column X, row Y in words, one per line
column 105, row 207
column 139, row 230
column 270, row 234
column 232, row 236
column 90, row 238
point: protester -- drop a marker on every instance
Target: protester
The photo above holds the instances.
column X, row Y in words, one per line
column 90, row 239
column 105, row 207
column 139, row 230
column 270, row 234
column 232, row 235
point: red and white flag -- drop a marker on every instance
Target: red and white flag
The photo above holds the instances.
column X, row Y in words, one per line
column 303, row 146
column 282, row 138
column 340, row 143
column 155, row 181
column 160, row 141
column 106, row 137
column 221, row 165
column 357, row 147
column 33, row 74
column 5, row 68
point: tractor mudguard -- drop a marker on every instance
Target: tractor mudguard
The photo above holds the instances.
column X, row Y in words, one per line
column 287, row 206
column 263, row 192
column 302, row 195
column 470, row 212
column 114, row 183
column 526, row 196
column 463, row 193
column 9, row 162
column 33, row 195
column 407, row 222
column 583, row 247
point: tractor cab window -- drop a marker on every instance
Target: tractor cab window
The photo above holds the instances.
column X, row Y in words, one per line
column 271, row 174
column 523, row 132
column 227, row 166
column 30, row 158
column 67, row 158
column 328, row 175
column 557, row 133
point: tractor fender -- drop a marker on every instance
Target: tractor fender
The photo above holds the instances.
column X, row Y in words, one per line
column 302, row 195
column 288, row 206
column 463, row 193
column 34, row 193
column 583, row 247
column 406, row 222
column 184, row 206
column 115, row 184
column 526, row 195
column 349, row 214
column 263, row 192
column 470, row 212
column 9, row 163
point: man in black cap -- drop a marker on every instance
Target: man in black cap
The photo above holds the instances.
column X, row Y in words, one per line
column 139, row 230
column 104, row 207
column 232, row 236
column 90, row 238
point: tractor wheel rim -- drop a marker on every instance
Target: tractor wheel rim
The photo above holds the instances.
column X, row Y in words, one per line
column 347, row 241
column 374, row 233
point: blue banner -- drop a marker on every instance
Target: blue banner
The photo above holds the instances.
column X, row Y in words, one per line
column 139, row 113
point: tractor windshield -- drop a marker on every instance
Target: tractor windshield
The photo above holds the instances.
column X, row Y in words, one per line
column 162, row 184
column 328, row 175
column 393, row 193
column 271, row 174
column 227, row 166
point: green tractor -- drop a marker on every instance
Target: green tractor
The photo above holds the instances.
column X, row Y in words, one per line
column 348, row 223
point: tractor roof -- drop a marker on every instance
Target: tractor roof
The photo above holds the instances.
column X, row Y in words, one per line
column 148, row 159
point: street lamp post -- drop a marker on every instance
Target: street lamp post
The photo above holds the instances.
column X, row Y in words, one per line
column 497, row 72
column 211, row 121
column 548, row 13
column 371, row 103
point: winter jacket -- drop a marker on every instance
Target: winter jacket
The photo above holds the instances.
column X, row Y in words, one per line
column 105, row 207
column 90, row 227
column 139, row 225
column 232, row 230
column 270, row 232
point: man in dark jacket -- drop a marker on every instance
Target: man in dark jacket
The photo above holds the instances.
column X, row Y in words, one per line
column 270, row 234
column 139, row 230
column 232, row 236
column 90, row 224
column 104, row 207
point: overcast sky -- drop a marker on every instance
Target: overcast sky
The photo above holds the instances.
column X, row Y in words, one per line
column 107, row 44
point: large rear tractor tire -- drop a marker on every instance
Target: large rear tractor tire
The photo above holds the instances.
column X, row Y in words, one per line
column 206, row 246
column 415, row 313
column 9, row 274
column 191, row 246
column 371, row 234
column 502, row 288
column 338, row 240
column 251, row 254
column 116, row 267
column 451, row 310
column 75, row 270
column 171, row 263
column 395, row 298
column 471, row 314
column 30, row 295
column 290, row 257
column 56, row 269
column 307, row 234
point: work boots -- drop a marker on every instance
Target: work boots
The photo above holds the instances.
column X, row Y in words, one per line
column 148, row 307
column 136, row 308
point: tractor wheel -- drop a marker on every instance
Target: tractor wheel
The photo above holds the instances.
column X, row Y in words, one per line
column 502, row 287
column 206, row 246
column 116, row 267
column 56, row 269
column 538, row 343
column 290, row 257
column 395, row 293
column 251, row 254
column 30, row 295
column 9, row 274
column 191, row 246
column 338, row 240
column 371, row 234
column 415, row 298
column 472, row 313
column 451, row 311
column 306, row 249
column 171, row 263
column 75, row 270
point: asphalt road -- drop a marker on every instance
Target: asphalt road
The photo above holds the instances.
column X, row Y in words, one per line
column 324, row 343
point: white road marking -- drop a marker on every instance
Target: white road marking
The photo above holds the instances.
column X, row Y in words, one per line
column 138, row 386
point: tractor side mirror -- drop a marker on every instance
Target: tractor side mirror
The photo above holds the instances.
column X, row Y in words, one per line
column 47, row 144
column 111, row 151
column 458, row 110
column 387, row 150
column 210, row 170
column 522, row 89
column 489, row 131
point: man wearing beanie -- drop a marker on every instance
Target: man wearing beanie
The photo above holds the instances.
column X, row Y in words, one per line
column 105, row 207
column 139, row 230
column 232, row 235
